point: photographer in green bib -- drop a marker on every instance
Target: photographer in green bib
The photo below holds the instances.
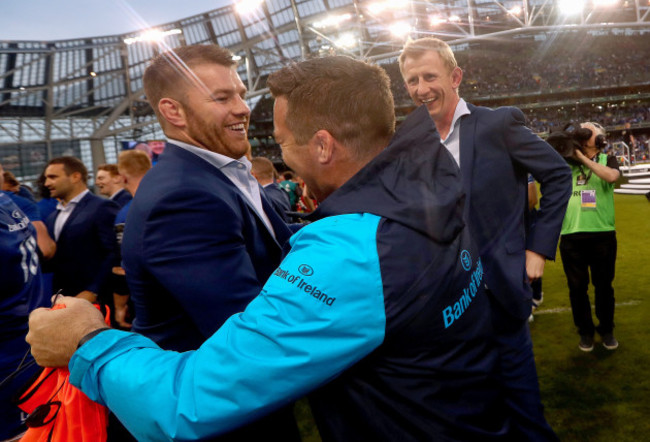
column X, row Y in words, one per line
column 588, row 238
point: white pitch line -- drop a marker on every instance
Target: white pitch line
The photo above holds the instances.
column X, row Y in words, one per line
column 551, row 311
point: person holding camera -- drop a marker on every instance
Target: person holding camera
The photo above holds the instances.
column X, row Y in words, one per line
column 588, row 238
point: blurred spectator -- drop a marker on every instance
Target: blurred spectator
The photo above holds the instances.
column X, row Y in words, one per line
column 110, row 183
column 293, row 189
column 46, row 245
column 11, row 184
column 265, row 174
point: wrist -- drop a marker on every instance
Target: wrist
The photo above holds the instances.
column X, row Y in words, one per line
column 88, row 336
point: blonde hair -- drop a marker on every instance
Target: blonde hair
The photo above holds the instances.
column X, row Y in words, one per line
column 134, row 163
column 417, row 48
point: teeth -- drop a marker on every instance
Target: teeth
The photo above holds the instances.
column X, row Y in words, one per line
column 239, row 126
column 428, row 100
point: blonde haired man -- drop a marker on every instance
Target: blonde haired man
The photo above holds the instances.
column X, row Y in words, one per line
column 496, row 152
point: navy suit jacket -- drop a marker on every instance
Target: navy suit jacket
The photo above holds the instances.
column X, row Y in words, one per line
column 85, row 250
column 497, row 151
column 122, row 197
column 194, row 251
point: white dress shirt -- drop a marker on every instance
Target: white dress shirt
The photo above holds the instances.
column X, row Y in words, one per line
column 65, row 212
column 452, row 142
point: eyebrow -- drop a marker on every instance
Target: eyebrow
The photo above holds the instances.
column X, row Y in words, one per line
column 228, row 91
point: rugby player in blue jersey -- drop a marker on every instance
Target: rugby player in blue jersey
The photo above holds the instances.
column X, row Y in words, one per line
column 20, row 293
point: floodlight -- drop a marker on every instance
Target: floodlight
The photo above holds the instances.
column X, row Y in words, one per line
column 571, row 7
column 346, row 41
column 516, row 10
column 605, row 2
column 247, row 6
column 436, row 20
column 381, row 6
column 152, row 35
column 454, row 18
column 331, row 20
column 378, row 7
column 236, row 57
column 93, row 74
column 400, row 29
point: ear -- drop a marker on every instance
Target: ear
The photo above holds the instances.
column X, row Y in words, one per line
column 325, row 145
column 456, row 77
column 75, row 177
column 172, row 111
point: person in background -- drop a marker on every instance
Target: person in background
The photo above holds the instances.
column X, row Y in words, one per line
column 588, row 242
column 265, row 174
column 82, row 227
column 110, row 183
column 132, row 165
column 20, row 293
column 11, row 184
column 292, row 188
column 46, row 204
column 46, row 245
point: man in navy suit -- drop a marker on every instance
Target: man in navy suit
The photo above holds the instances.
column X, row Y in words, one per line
column 110, row 183
column 265, row 173
column 82, row 227
column 201, row 238
column 496, row 151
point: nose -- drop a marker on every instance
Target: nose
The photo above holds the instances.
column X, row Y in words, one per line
column 241, row 108
column 421, row 89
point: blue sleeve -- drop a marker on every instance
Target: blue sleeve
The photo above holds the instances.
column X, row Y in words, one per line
column 321, row 312
column 551, row 171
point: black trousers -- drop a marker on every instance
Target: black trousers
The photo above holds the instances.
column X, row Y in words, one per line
column 582, row 252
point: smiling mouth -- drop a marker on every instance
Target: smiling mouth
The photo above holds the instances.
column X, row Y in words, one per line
column 239, row 127
column 428, row 100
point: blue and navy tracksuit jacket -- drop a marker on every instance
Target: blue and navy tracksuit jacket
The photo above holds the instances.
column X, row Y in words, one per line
column 20, row 293
column 378, row 310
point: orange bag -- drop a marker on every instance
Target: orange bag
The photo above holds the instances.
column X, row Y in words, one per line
column 60, row 412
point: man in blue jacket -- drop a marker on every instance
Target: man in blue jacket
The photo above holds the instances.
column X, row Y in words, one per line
column 377, row 310
column 496, row 152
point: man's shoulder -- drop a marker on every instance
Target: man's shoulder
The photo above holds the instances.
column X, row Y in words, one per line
column 499, row 112
column 96, row 206
column 30, row 208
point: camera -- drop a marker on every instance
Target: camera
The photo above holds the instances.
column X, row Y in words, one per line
column 570, row 138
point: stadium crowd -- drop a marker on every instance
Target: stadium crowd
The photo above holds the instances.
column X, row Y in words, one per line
column 202, row 262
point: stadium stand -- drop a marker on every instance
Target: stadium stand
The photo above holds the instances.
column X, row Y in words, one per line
column 84, row 97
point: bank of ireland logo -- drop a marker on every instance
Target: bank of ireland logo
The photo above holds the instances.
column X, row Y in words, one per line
column 306, row 270
column 466, row 260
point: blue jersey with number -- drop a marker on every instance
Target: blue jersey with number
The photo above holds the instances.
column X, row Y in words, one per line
column 20, row 290
column 20, row 293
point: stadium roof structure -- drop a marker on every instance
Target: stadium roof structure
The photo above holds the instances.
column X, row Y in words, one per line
column 87, row 92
